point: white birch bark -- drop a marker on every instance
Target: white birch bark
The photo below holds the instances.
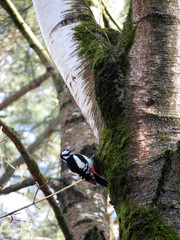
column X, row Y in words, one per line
column 57, row 19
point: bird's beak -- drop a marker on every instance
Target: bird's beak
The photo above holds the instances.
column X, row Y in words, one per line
column 73, row 150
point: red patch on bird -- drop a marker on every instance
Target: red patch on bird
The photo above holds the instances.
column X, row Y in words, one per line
column 93, row 170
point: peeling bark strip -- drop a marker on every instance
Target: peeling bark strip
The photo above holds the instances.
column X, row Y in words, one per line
column 57, row 29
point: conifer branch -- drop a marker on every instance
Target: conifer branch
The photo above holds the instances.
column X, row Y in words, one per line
column 26, row 88
column 40, row 200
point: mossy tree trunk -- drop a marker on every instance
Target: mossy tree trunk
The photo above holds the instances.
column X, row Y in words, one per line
column 142, row 124
column 136, row 85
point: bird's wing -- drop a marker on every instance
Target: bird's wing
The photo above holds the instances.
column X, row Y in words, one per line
column 89, row 160
column 85, row 159
column 84, row 169
column 80, row 161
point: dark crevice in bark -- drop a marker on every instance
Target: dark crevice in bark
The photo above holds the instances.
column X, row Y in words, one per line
column 161, row 182
column 75, row 119
column 83, row 222
column 89, row 149
column 93, row 234
column 64, row 104
column 158, row 14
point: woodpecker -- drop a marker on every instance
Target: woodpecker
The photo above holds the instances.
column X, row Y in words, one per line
column 83, row 166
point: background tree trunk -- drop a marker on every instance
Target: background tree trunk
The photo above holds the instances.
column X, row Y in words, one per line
column 85, row 204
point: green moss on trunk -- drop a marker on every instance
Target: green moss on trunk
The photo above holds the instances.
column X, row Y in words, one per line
column 94, row 39
column 143, row 223
column 113, row 161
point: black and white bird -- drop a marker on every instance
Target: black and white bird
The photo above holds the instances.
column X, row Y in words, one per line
column 83, row 166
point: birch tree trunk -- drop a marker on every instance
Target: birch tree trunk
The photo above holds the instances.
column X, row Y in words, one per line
column 58, row 33
column 130, row 79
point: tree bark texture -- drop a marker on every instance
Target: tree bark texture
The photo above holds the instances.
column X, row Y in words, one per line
column 154, row 98
column 142, row 134
column 153, row 79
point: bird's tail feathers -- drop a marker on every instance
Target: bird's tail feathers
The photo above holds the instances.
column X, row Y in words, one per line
column 102, row 181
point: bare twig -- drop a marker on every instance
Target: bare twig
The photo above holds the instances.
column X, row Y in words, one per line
column 38, row 187
column 110, row 16
column 15, row 187
column 17, row 94
column 40, row 200
column 17, row 162
column 99, row 37
column 3, row 139
column 8, row 179
column 35, row 171
column 15, row 219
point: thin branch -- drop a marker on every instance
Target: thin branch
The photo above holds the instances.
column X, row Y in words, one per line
column 15, row 187
column 7, row 180
column 34, row 43
column 26, row 32
column 40, row 200
column 48, row 119
column 15, row 219
column 109, row 15
column 35, row 145
column 20, row 185
column 5, row 139
column 35, row 171
column 36, row 191
column 17, row 94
